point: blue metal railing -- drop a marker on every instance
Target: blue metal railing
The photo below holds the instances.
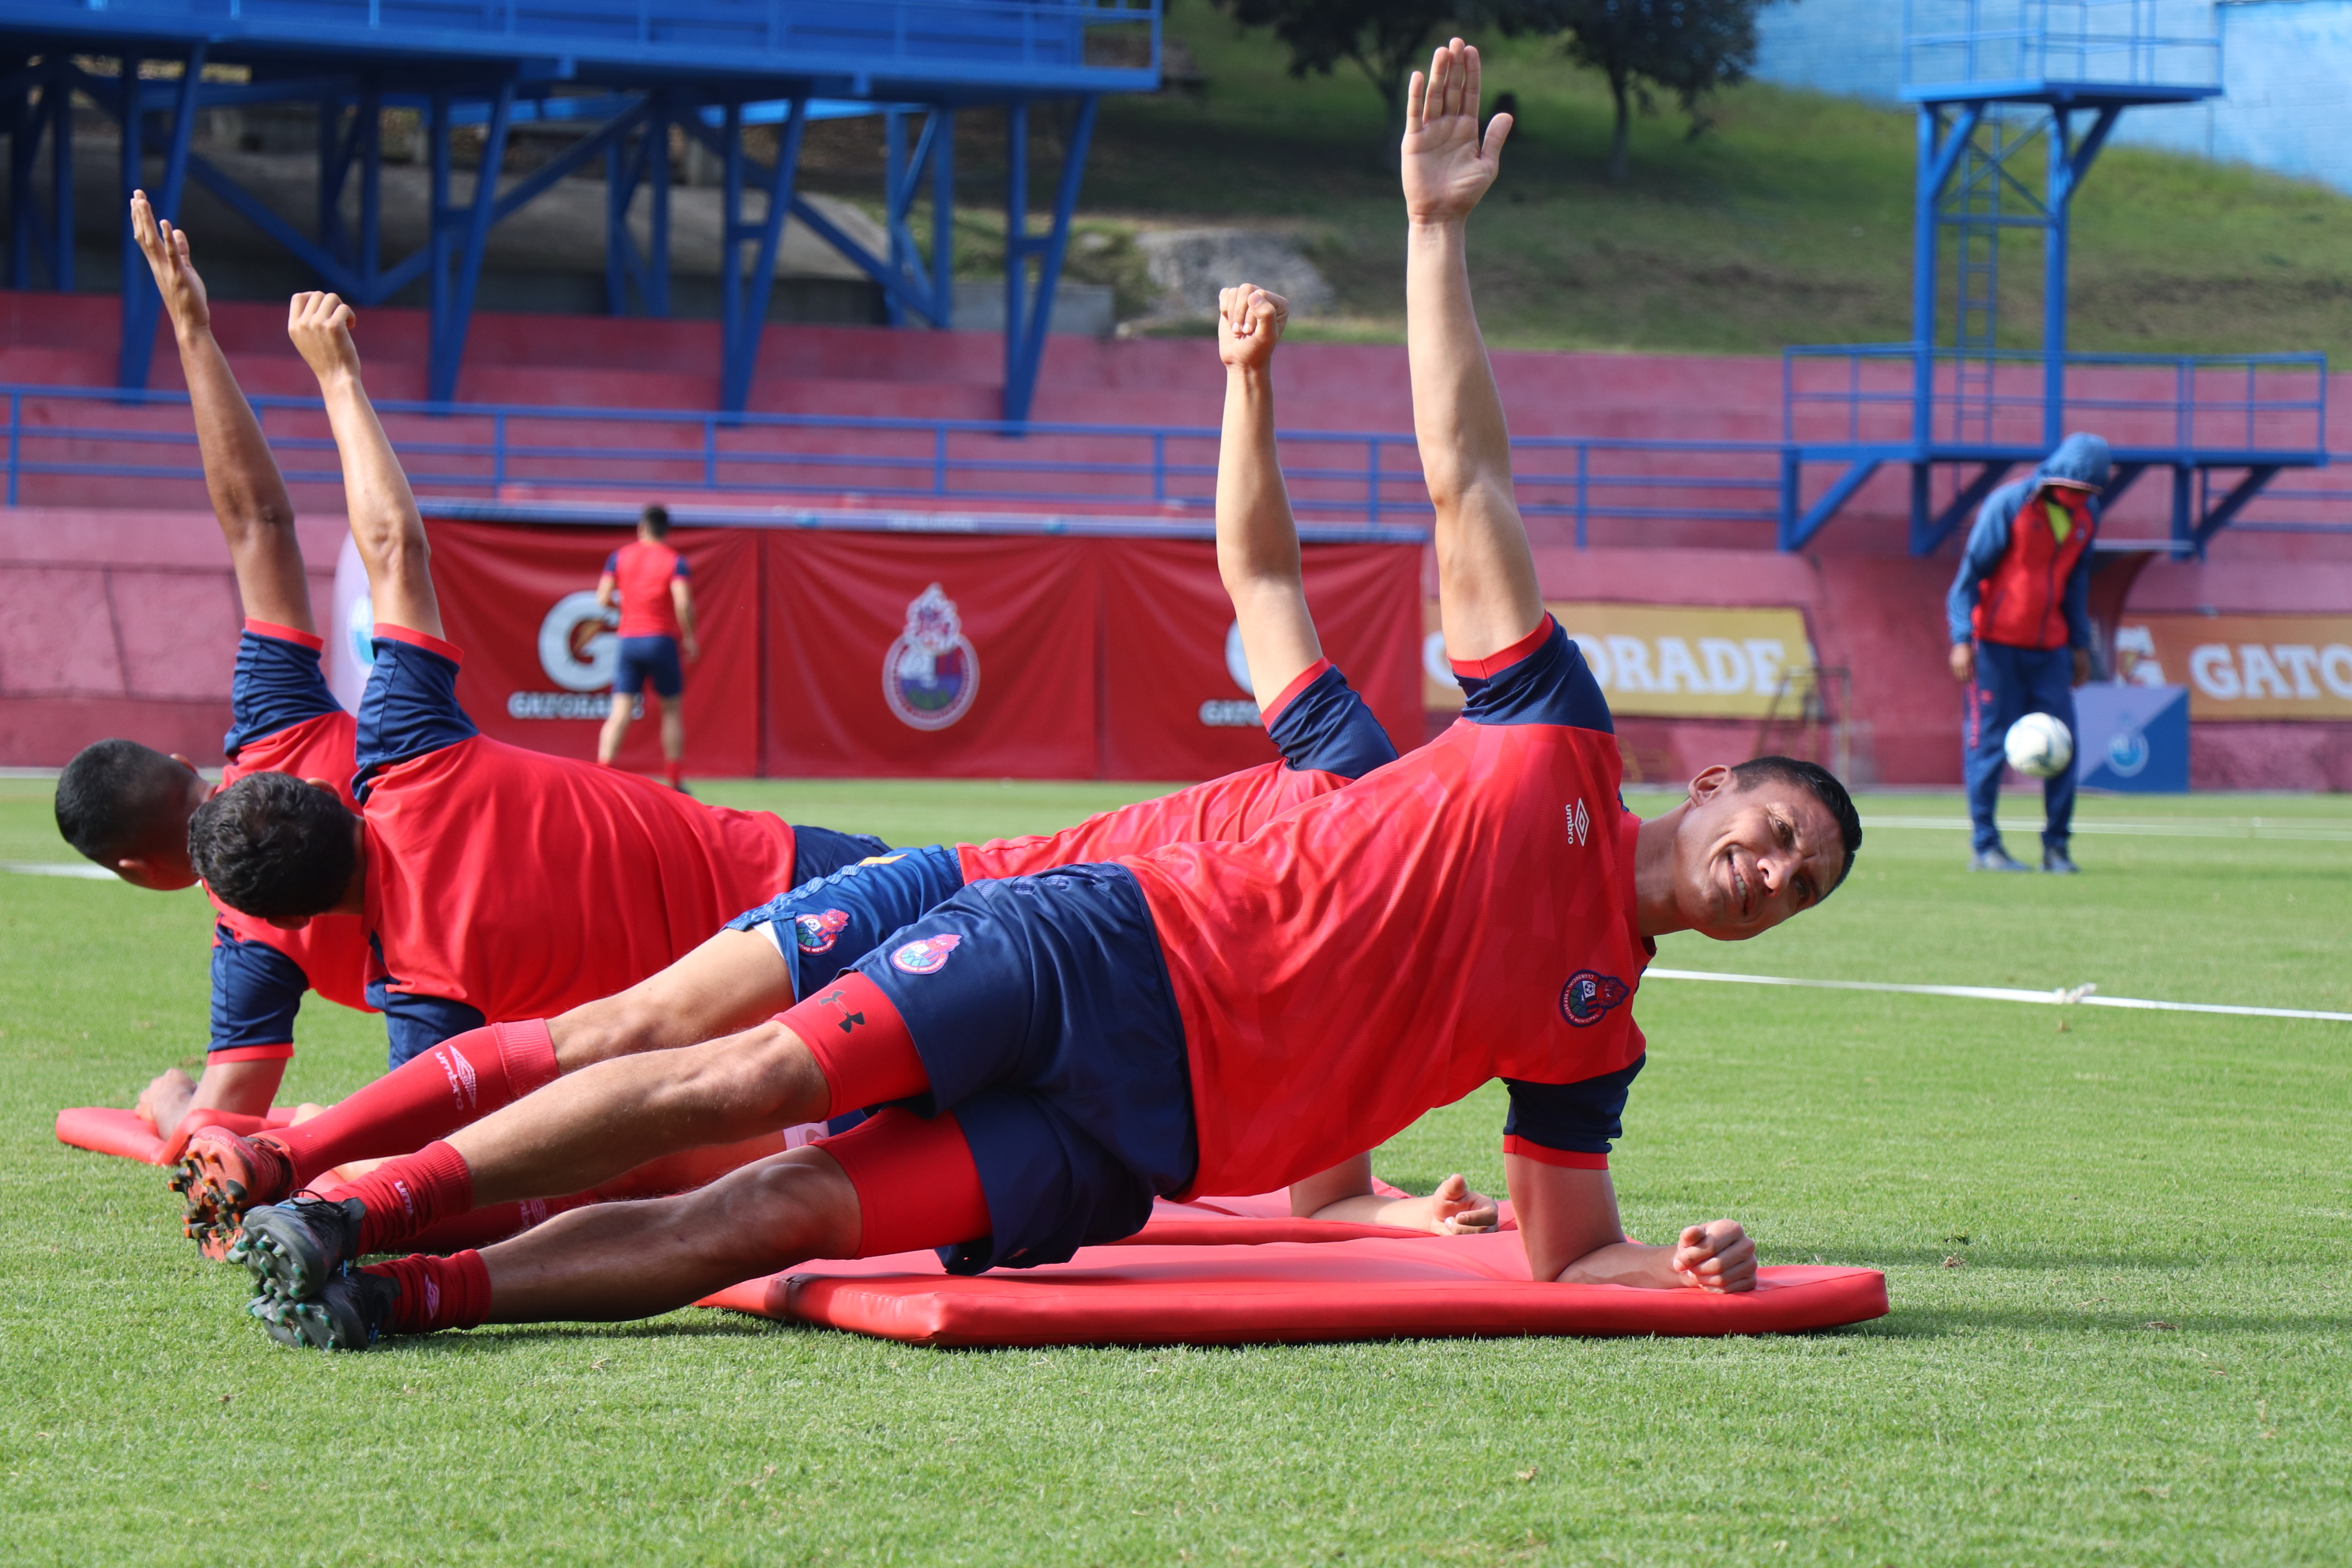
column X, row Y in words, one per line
column 1865, row 398
column 2015, row 44
column 62, row 441
column 480, row 449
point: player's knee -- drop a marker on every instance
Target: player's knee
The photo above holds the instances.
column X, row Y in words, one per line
column 780, row 1212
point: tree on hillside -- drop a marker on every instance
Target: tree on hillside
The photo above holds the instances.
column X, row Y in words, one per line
column 1689, row 47
column 1387, row 39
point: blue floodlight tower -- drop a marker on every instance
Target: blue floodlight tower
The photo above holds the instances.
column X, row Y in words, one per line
column 635, row 70
column 2000, row 85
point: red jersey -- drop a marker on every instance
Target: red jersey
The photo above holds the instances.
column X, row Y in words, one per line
column 642, row 572
column 1462, row 914
column 1328, row 739
column 518, row 884
column 282, row 719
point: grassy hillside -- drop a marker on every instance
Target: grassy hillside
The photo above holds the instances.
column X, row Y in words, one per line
column 1786, row 222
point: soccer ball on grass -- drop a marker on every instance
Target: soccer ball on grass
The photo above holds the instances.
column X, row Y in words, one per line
column 2039, row 746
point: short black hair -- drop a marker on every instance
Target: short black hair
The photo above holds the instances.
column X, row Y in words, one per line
column 274, row 848
column 654, row 520
column 1825, row 788
column 117, row 797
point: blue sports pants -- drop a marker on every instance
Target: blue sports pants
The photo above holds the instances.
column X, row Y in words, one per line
column 2010, row 683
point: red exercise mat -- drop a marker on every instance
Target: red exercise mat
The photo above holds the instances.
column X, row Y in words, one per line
column 106, row 1129
column 1436, row 1287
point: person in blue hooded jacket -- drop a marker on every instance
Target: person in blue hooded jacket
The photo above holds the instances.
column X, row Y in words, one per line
column 2020, row 615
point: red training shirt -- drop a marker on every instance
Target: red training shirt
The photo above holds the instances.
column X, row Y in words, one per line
column 1464, row 913
column 642, row 572
column 519, row 884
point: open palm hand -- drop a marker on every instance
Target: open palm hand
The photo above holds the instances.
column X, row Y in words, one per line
column 1447, row 165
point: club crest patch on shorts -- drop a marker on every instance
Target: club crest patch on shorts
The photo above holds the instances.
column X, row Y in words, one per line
column 818, row 932
column 925, row 954
column 1588, row 995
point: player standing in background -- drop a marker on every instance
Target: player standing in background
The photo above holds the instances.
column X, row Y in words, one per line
column 2020, row 615
column 127, row 807
column 648, row 581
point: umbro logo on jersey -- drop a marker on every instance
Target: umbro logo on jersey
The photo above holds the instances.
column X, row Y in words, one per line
column 1580, row 823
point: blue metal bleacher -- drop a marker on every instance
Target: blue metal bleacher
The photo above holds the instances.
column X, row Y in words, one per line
column 2016, row 98
column 638, row 67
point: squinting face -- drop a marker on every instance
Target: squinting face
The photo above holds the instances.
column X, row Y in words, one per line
column 1745, row 860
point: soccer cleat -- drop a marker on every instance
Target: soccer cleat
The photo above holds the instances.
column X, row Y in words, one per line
column 2054, row 860
column 223, row 1174
column 295, row 1248
column 350, row 1315
column 1994, row 859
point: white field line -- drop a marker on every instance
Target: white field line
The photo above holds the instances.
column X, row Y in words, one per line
column 2211, row 828
column 2079, row 995
column 81, row 869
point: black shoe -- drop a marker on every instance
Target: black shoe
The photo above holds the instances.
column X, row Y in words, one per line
column 2053, row 860
column 350, row 1313
column 1994, row 859
column 297, row 1247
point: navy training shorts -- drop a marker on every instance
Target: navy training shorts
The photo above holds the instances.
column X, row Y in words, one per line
column 648, row 658
column 1042, row 1014
column 828, row 923
column 820, row 852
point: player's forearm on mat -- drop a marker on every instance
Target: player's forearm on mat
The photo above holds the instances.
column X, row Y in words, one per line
column 247, row 1087
column 1625, row 1263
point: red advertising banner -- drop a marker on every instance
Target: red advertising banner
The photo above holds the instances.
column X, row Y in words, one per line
column 931, row 654
column 521, row 604
column 1176, row 698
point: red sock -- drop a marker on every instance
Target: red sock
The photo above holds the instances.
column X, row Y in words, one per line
column 675, row 773
column 405, row 1195
column 860, row 1043
column 459, row 1080
column 500, row 1221
column 437, row 1293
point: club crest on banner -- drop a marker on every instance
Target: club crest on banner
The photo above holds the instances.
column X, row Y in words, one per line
column 931, row 673
column 1588, row 995
column 925, row 954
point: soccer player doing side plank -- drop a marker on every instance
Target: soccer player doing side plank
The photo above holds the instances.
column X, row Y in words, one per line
column 1056, row 1049
column 786, row 948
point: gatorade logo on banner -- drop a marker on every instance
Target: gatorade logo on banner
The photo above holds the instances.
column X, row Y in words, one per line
column 2244, row 667
column 1671, row 661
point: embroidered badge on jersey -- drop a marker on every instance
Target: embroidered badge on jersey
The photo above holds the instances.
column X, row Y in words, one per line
column 925, row 954
column 818, row 932
column 1588, row 995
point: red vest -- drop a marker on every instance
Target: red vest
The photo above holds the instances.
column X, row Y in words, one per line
column 2024, row 602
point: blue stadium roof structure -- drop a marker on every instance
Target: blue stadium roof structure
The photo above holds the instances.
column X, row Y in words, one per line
column 973, row 50
column 635, row 70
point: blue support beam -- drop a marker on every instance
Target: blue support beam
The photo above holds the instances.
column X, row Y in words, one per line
column 1028, row 316
column 905, row 287
column 453, row 295
column 1797, row 531
column 140, row 304
column 2219, row 513
column 745, row 290
column 1962, row 507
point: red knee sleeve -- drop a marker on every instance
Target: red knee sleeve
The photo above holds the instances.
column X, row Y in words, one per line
column 860, row 1043
column 917, row 1185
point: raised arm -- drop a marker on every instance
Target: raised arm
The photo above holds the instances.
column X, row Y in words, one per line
column 248, row 495
column 1485, row 574
column 1257, row 540
column 385, row 523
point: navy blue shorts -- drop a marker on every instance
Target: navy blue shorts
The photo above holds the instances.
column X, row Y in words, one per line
column 1042, row 1011
column 824, row 926
column 648, row 658
column 820, row 851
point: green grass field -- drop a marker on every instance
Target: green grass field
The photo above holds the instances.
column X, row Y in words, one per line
column 2115, row 1251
